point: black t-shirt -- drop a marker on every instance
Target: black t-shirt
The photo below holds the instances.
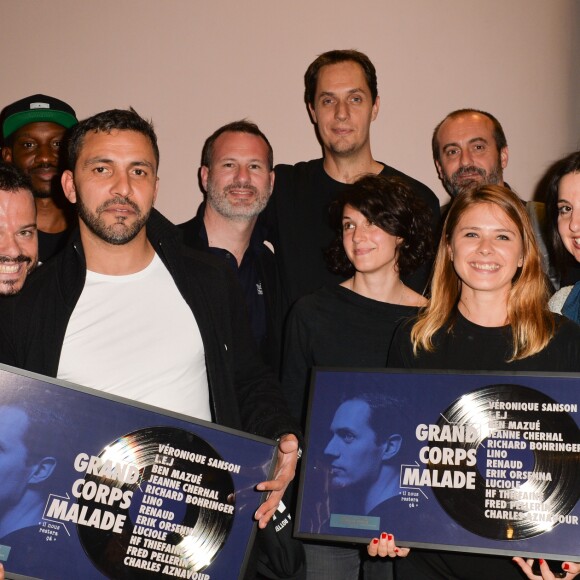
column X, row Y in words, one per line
column 51, row 244
column 479, row 348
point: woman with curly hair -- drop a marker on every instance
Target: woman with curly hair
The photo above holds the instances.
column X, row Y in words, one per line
column 383, row 232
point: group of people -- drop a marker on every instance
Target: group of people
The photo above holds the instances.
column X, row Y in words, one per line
column 330, row 262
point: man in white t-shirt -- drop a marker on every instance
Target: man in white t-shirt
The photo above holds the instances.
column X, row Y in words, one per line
column 128, row 309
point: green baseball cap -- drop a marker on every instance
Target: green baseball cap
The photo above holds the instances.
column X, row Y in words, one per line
column 36, row 109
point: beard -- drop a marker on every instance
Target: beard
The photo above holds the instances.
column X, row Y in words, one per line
column 118, row 233
column 240, row 211
column 455, row 186
column 11, row 287
column 46, row 188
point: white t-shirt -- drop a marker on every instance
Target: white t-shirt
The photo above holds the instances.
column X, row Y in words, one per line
column 136, row 337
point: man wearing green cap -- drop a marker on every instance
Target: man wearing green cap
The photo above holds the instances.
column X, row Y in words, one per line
column 32, row 130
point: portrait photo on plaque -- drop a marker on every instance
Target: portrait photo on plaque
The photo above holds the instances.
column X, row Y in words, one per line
column 462, row 461
column 95, row 486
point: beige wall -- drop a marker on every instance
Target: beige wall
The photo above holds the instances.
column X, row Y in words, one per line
column 192, row 66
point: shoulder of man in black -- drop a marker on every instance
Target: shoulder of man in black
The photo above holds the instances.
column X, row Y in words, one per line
column 424, row 192
column 286, row 188
column 190, row 230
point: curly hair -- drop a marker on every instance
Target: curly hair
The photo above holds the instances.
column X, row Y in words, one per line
column 391, row 204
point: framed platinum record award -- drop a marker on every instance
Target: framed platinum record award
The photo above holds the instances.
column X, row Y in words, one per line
column 478, row 462
column 95, row 486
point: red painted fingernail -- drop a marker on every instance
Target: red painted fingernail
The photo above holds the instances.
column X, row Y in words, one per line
column 383, row 536
column 396, row 550
column 375, row 541
column 566, row 566
column 389, row 537
column 541, row 561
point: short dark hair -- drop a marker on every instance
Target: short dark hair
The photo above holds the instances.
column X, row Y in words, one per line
column 563, row 167
column 498, row 134
column 335, row 57
column 386, row 413
column 391, row 204
column 243, row 126
column 105, row 122
column 12, row 179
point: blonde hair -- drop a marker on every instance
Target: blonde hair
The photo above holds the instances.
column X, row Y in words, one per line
column 528, row 315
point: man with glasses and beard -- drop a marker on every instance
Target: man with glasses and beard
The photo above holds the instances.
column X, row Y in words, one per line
column 33, row 130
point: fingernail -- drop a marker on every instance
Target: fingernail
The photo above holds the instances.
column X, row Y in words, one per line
column 389, row 537
column 541, row 561
column 396, row 550
column 383, row 536
column 566, row 566
column 375, row 541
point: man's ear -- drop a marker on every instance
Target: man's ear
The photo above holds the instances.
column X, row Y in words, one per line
column 203, row 175
column 439, row 170
column 68, row 186
column 272, row 179
column 504, row 155
column 156, row 190
column 376, row 107
column 42, row 470
column 7, row 154
column 312, row 113
column 392, row 446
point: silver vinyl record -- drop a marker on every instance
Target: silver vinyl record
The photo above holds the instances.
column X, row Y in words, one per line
column 527, row 480
column 177, row 509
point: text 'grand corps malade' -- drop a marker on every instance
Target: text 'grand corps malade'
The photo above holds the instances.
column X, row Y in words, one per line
column 149, row 547
column 450, row 459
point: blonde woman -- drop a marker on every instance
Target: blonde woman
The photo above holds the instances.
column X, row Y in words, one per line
column 489, row 312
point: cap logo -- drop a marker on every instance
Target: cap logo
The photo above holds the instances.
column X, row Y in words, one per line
column 39, row 106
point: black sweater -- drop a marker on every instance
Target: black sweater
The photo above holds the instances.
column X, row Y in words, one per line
column 335, row 327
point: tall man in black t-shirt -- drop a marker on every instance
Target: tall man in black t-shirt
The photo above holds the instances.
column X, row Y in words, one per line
column 342, row 99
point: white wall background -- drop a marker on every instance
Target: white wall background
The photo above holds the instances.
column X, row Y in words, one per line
column 192, row 66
